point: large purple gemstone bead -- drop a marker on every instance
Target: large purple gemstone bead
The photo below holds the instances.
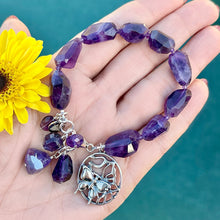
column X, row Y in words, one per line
column 122, row 144
column 63, row 169
column 180, row 66
column 176, row 102
column 74, row 140
column 45, row 122
column 60, row 90
column 99, row 32
column 156, row 126
column 69, row 54
column 160, row 42
column 52, row 142
column 133, row 32
column 36, row 160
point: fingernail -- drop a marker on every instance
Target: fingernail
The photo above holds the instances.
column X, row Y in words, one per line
column 11, row 17
column 217, row 27
column 205, row 81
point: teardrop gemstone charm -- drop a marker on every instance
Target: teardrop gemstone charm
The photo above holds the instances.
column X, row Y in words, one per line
column 60, row 90
column 36, row 160
column 63, row 169
column 122, row 144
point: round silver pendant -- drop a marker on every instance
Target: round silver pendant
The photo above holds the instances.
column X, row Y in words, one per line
column 99, row 179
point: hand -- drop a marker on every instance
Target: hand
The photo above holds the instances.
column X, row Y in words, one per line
column 120, row 89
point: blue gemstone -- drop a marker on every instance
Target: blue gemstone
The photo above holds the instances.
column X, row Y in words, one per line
column 36, row 160
column 133, row 32
column 60, row 90
column 176, row 102
column 156, row 126
column 99, row 32
column 63, row 169
column 122, row 144
column 180, row 66
column 52, row 142
column 160, row 42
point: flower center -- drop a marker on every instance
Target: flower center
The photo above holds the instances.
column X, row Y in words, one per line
column 3, row 81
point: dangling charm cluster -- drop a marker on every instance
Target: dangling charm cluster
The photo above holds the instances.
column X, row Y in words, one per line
column 99, row 175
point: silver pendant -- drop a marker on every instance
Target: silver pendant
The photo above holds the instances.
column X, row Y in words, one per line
column 99, row 178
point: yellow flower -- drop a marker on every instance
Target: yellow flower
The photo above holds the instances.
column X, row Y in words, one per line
column 20, row 75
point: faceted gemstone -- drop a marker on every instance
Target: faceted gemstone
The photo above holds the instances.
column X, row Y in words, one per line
column 69, row 54
column 176, row 102
column 45, row 122
column 60, row 90
column 74, row 140
column 122, row 144
column 99, row 32
column 133, row 32
column 160, row 42
column 52, row 142
column 156, row 126
column 63, row 169
column 180, row 66
column 36, row 160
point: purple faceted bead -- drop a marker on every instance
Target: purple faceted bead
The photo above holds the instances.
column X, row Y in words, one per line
column 180, row 66
column 160, row 42
column 52, row 142
column 74, row 140
column 36, row 160
column 156, row 126
column 69, row 54
column 60, row 90
column 176, row 102
column 63, row 169
column 99, row 32
column 133, row 32
column 122, row 144
column 45, row 122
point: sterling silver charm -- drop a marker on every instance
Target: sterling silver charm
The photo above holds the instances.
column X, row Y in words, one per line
column 99, row 178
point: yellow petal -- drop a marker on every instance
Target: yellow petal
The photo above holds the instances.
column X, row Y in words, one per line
column 8, row 110
column 43, row 90
column 31, row 83
column 3, row 40
column 44, row 59
column 8, row 125
column 39, row 106
column 19, row 103
column 2, row 105
column 31, row 96
column 44, row 73
column 22, row 115
column 1, row 123
column 21, row 35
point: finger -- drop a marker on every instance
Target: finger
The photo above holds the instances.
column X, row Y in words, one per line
column 139, row 59
column 135, row 11
column 14, row 23
column 202, row 48
column 150, row 152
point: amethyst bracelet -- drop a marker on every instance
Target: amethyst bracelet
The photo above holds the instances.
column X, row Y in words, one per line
column 99, row 176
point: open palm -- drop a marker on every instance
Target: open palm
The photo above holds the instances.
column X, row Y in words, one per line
column 116, row 86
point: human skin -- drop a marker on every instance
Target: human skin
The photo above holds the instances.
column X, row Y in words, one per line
column 124, row 86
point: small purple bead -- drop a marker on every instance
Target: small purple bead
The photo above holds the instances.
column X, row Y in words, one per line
column 74, row 140
column 45, row 122
column 69, row 54
column 63, row 169
column 99, row 32
column 180, row 66
column 122, row 144
column 52, row 142
column 133, row 32
column 36, row 160
column 160, row 42
column 156, row 126
column 176, row 102
column 60, row 90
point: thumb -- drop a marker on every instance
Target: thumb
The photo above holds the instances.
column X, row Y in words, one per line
column 12, row 22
